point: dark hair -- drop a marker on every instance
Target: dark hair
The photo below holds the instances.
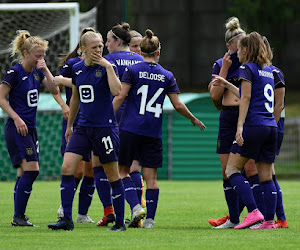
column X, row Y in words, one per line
column 122, row 32
column 150, row 43
column 76, row 52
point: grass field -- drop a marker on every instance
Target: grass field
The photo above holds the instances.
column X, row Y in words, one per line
column 181, row 221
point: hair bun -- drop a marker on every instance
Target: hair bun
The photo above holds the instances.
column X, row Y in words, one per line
column 149, row 33
column 233, row 23
column 125, row 26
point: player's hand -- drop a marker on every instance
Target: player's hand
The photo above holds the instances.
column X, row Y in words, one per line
column 41, row 64
column 68, row 133
column 197, row 122
column 218, row 81
column 21, row 126
column 226, row 62
column 66, row 111
column 98, row 59
column 57, row 80
column 239, row 136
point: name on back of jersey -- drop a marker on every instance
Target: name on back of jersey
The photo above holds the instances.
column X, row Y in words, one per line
column 151, row 76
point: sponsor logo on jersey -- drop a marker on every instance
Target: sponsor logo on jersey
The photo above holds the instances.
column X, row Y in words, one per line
column 65, row 66
column 24, row 78
column 10, row 71
column 78, row 72
column 32, row 98
column 86, row 93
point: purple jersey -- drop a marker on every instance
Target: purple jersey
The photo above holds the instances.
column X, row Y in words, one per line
column 66, row 71
column 96, row 109
column 24, row 93
column 233, row 71
column 279, row 83
column 123, row 59
column 261, row 105
column 150, row 83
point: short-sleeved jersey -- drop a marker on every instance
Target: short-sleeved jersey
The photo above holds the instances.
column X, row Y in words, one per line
column 279, row 83
column 123, row 59
column 233, row 71
column 261, row 105
column 66, row 71
column 96, row 109
column 150, row 83
column 24, row 93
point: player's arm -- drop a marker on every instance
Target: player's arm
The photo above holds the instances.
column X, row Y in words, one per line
column 243, row 110
column 184, row 111
column 118, row 100
column 48, row 80
column 220, row 81
column 64, row 107
column 279, row 94
column 74, row 108
column 61, row 80
column 19, row 123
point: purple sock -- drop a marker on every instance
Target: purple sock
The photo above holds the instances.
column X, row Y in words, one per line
column 136, row 177
column 151, row 202
column 23, row 191
column 242, row 187
column 67, row 191
column 86, row 192
column 279, row 206
column 130, row 192
column 257, row 192
column 270, row 199
column 77, row 181
column 16, row 186
column 103, row 186
column 118, row 201
column 232, row 200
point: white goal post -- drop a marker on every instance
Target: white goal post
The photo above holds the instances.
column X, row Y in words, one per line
column 58, row 23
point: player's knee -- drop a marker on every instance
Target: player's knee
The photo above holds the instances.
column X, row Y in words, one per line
column 230, row 170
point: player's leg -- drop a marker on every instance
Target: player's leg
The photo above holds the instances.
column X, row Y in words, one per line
column 135, row 174
column 86, row 192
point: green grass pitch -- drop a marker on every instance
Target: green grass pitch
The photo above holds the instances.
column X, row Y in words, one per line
column 181, row 221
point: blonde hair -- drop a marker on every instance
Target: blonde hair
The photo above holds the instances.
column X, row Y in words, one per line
column 134, row 33
column 233, row 29
column 268, row 49
column 149, row 44
column 87, row 36
column 255, row 49
column 24, row 41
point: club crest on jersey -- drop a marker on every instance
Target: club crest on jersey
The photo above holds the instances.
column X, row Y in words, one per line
column 37, row 77
column 98, row 73
column 29, row 151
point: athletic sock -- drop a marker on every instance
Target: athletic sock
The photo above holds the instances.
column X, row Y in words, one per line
column 279, row 205
column 270, row 199
column 103, row 186
column 16, row 186
column 242, row 187
column 23, row 191
column 232, row 200
column 136, row 177
column 67, row 191
column 151, row 201
column 130, row 192
column 86, row 192
column 257, row 192
column 77, row 181
column 118, row 201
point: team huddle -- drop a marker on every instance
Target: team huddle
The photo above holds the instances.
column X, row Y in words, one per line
column 112, row 125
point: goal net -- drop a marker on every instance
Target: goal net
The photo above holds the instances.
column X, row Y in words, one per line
column 58, row 23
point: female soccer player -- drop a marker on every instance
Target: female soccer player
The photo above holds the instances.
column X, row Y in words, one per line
column 256, row 134
column 94, row 80
column 228, row 67
column 22, row 84
column 118, row 40
column 279, row 115
column 147, row 84
column 84, row 167
column 135, row 42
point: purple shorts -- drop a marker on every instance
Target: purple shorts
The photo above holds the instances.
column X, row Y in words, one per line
column 147, row 149
column 63, row 138
column 260, row 143
column 104, row 142
column 227, row 128
column 21, row 147
column 279, row 142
